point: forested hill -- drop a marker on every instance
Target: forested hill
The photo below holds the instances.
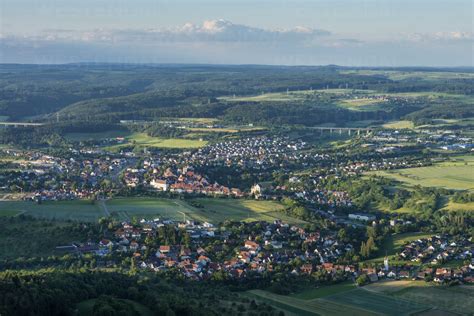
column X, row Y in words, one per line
column 110, row 92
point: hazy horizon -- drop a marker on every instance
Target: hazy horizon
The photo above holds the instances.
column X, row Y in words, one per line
column 85, row 63
column 367, row 33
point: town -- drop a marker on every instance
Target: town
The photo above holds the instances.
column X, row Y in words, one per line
column 297, row 191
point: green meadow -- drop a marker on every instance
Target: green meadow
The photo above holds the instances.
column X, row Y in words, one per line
column 343, row 301
column 457, row 174
column 212, row 210
column 62, row 210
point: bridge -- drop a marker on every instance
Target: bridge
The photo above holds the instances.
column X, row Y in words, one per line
column 341, row 130
column 20, row 124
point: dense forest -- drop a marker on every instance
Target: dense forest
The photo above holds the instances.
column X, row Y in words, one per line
column 57, row 292
column 110, row 93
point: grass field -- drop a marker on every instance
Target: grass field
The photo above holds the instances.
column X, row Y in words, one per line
column 218, row 210
column 212, row 210
column 96, row 136
column 392, row 286
column 402, row 75
column 399, row 125
column 457, row 174
column 345, row 91
column 138, row 139
column 232, row 129
column 362, row 104
column 64, row 210
column 9, row 213
column 270, row 97
column 149, row 208
column 299, row 95
column 142, row 139
column 447, row 123
column 86, row 307
column 452, row 206
column 323, row 291
column 309, row 307
column 377, row 303
column 202, row 120
column 345, row 300
column 453, row 299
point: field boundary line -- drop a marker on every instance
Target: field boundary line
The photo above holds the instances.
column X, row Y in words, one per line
column 20, row 213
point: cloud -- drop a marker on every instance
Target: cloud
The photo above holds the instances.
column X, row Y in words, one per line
column 209, row 31
column 221, row 41
column 440, row 36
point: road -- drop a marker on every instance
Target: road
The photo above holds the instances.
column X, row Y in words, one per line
column 23, row 124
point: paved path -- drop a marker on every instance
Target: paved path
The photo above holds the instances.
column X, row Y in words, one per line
column 104, row 207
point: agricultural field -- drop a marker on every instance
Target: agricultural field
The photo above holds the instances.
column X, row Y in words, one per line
column 219, row 210
column 361, row 104
column 399, row 125
column 96, row 136
column 299, row 95
column 392, row 286
column 377, row 303
column 323, row 291
column 458, row 299
column 435, row 96
column 307, row 307
column 63, row 210
column 447, row 123
column 143, row 140
column 453, row 206
column 150, row 208
column 211, row 210
column 403, row 75
column 345, row 91
column 270, row 97
column 137, row 139
column 202, row 120
column 346, row 300
column 457, row 174
column 230, row 129
column 9, row 213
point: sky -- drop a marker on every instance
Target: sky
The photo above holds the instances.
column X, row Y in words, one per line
column 275, row 32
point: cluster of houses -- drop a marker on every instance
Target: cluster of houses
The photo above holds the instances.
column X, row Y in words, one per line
column 82, row 173
column 255, row 248
column 59, row 195
column 438, row 249
column 331, row 198
column 319, row 196
column 176, row 180
column 442, row 275
column 260, row 152
column 258, row 247
column 46, row 177
column 390, row 141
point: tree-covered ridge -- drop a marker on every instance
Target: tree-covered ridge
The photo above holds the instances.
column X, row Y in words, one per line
column 57, row 292
column 114, row 92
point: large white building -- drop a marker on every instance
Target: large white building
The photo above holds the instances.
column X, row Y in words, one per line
column 159, row 184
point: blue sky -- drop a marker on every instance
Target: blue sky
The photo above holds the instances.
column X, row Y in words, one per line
column 345, row 32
